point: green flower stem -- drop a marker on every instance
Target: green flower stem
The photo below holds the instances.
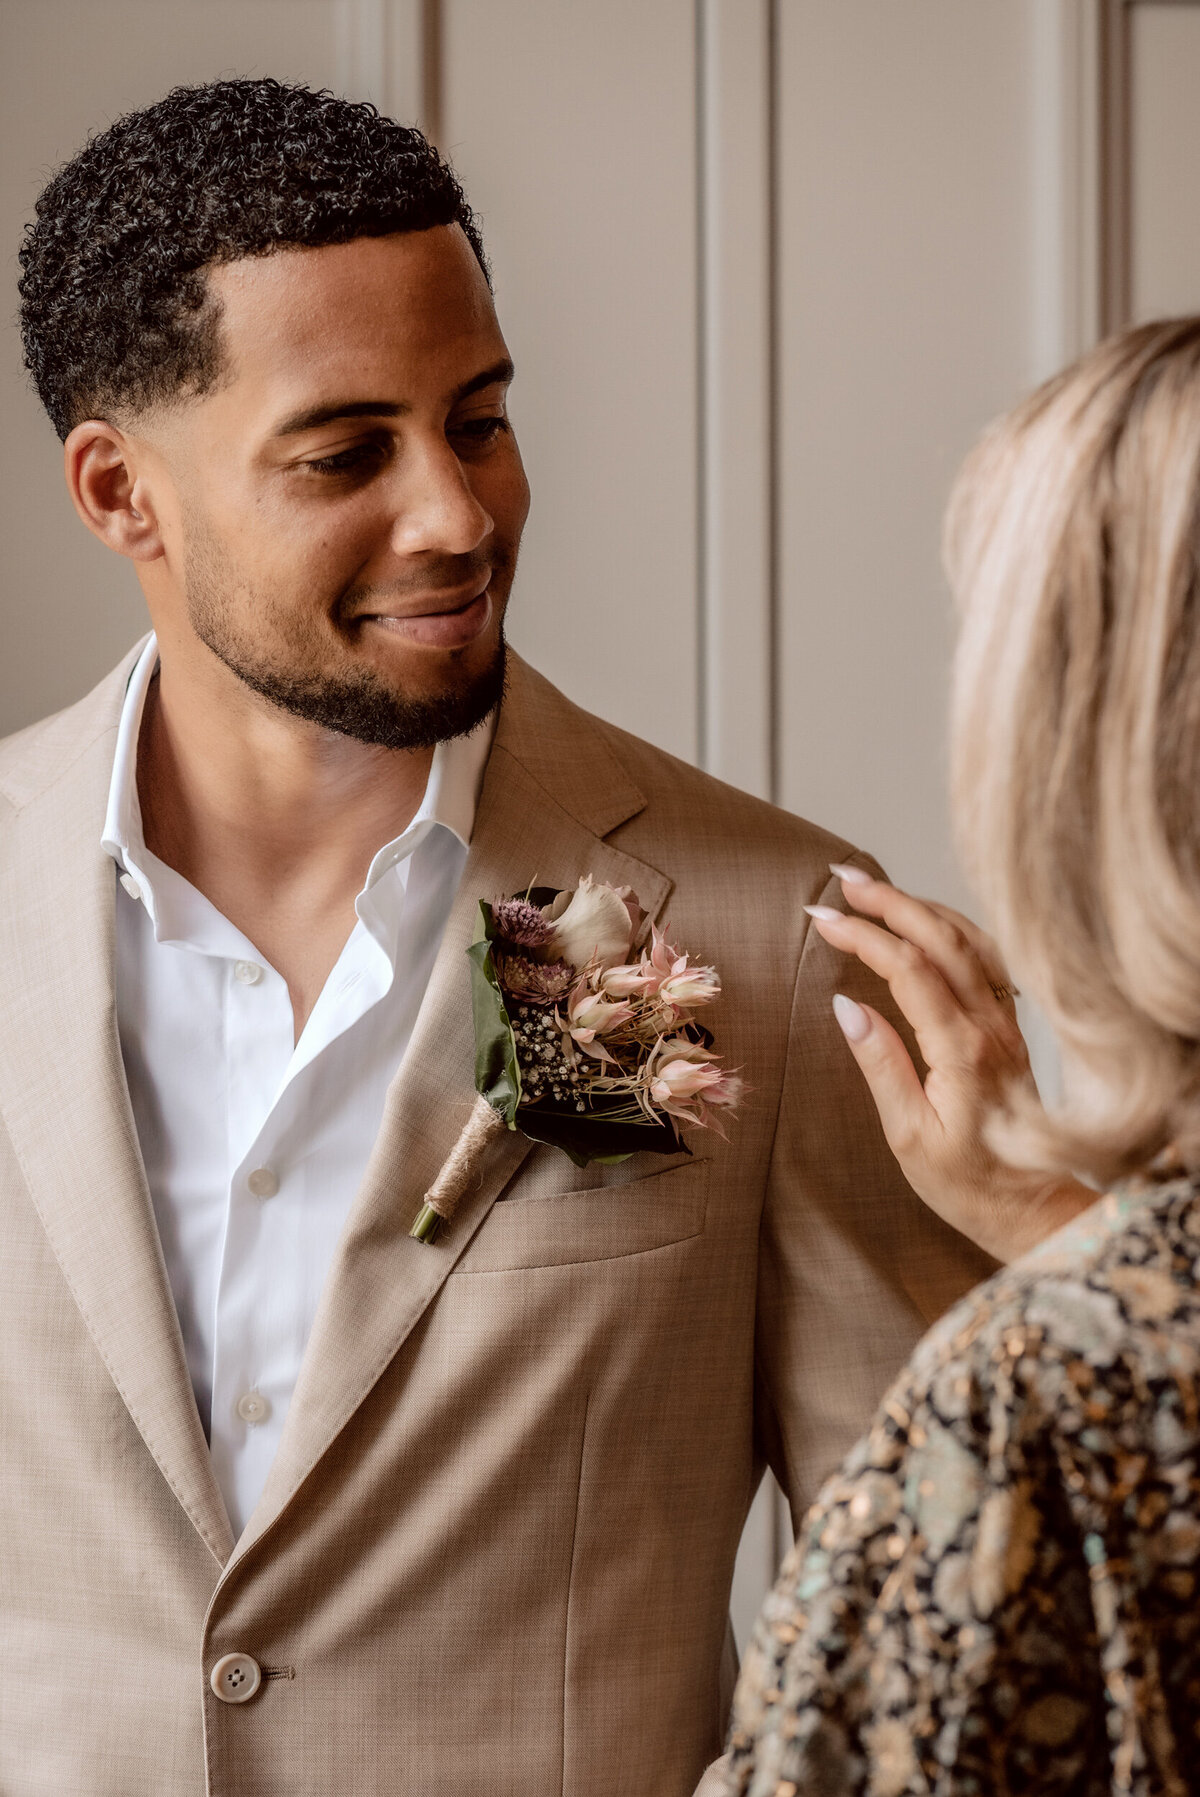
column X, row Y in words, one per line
column 426, row 1227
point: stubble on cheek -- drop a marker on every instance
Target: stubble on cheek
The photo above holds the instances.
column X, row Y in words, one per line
column 302, row 660
column 245, row 621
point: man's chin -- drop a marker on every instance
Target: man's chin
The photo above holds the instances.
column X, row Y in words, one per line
column 372, row 708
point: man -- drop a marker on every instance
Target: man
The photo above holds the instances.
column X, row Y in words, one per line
column 292, row 1502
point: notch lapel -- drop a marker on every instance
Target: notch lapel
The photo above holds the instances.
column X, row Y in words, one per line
column 383, row 1281
column 64, row 1100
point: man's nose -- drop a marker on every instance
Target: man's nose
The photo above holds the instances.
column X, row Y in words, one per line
column 436, row 509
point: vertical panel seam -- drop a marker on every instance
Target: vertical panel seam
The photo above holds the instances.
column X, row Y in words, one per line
column 432, row 70
column 1114, row 165
column 774, row 696
column 703, row 745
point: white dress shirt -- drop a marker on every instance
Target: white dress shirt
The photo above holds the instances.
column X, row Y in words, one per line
column 254, row 1147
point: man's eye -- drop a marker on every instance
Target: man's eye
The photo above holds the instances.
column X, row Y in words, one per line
column 479, row 430
column 359, row 459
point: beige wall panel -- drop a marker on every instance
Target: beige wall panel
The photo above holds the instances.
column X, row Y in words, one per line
column 573, row 128
column 906, row 302
column 69, row 608
column 1165, row 160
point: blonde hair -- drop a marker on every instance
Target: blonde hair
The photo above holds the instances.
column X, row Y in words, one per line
column 1073, row 547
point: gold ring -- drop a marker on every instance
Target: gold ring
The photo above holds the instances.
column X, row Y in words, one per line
column 1002, row 993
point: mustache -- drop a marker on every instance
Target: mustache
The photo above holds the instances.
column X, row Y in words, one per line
column 437, row 575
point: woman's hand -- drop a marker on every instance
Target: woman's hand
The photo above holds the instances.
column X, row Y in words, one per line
column 947, row 978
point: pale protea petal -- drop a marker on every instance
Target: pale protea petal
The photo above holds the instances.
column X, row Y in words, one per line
column 594, row 927
column 690, row 987
column 632, row 979
column 591, row 1011
column 664, row 959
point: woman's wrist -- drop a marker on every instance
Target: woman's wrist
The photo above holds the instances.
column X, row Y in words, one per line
column 1047, row 1206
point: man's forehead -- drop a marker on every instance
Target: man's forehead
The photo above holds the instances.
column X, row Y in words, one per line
column 408, row 284
column 371, row 319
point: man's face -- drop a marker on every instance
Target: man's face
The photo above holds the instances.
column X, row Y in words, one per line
column 350, row 497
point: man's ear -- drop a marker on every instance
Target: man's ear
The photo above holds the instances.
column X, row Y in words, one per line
column 110, row 490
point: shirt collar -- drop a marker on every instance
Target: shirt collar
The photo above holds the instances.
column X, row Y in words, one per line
column 451, row 796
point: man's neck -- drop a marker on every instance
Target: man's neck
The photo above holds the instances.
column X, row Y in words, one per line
column 274, row 820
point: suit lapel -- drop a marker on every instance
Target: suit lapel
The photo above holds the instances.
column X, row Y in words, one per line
column 65, row 1103
column 382, row 1281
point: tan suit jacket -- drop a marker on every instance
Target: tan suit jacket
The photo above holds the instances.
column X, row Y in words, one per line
column 494, row 1552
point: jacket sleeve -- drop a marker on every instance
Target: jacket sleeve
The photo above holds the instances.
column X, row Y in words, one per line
column 852, row 1266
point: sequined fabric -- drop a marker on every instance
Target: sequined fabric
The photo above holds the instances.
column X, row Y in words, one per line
column 998, row 1593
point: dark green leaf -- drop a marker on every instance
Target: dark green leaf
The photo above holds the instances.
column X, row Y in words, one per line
column 497, row 1071
column 590, row 1138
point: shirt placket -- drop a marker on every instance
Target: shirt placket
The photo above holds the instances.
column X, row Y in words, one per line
column 262, row 1318
column 251, row 1323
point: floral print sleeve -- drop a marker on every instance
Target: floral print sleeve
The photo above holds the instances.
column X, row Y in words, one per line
column 998, row 1593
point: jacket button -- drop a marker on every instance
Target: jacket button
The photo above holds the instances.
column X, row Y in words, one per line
column 235, row 1678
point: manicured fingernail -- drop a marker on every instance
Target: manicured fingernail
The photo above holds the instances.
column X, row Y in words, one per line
column 853, row 876
column 825, row 913
column 853, row 1021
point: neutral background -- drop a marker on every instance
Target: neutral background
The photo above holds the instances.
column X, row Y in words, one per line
column 766, row 270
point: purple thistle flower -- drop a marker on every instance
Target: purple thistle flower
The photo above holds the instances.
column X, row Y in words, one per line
column 521, row 923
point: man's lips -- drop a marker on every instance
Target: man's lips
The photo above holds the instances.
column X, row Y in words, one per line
column 438, row 622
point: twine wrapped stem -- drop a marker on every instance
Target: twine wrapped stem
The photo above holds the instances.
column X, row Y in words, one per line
column 459, row 1172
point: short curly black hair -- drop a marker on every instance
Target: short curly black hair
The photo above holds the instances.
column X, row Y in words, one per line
column 115, row 310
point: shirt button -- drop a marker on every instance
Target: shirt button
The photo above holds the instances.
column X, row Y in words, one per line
column 131, row 886
column 235, row 1677
column 263, row 1182
column 252, row 1407
column 247, row 973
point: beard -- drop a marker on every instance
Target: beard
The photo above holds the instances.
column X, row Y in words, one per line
column 357, row 702
column 361, row 705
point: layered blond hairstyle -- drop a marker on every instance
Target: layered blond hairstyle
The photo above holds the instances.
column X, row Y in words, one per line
column 1073, row 547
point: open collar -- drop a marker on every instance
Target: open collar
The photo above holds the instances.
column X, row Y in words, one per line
column 554, row 789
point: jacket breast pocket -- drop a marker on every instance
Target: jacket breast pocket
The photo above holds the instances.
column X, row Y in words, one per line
column 602, row 1222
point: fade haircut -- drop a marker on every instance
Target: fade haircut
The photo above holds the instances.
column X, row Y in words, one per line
column 116, row 313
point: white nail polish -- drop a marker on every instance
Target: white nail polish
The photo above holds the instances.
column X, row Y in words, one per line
column 853, row 1021
column 825, row 913
column 853, row 876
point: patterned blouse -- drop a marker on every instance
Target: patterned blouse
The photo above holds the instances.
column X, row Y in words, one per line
column 1000, row 1591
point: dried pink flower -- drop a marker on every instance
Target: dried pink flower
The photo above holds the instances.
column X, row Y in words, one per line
column 533, row 982
column 683, row 1079
column 633, row 979
column 664, row 959
column 591, row 1016
column 688, row 987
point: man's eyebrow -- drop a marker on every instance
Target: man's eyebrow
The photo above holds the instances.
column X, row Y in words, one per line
column 312, row 416
column 498, row 375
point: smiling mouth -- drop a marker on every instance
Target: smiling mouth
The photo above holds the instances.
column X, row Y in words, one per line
column 443, row 626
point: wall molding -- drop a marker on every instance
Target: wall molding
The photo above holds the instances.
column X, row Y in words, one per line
column 1083, row 130
column 735, row 160
column 1114, row 85
column 390, row 52
column 432, row 52
column 1065, row 197
column 1115, row 33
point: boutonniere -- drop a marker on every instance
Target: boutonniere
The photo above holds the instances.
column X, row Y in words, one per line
column 578, row 1043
